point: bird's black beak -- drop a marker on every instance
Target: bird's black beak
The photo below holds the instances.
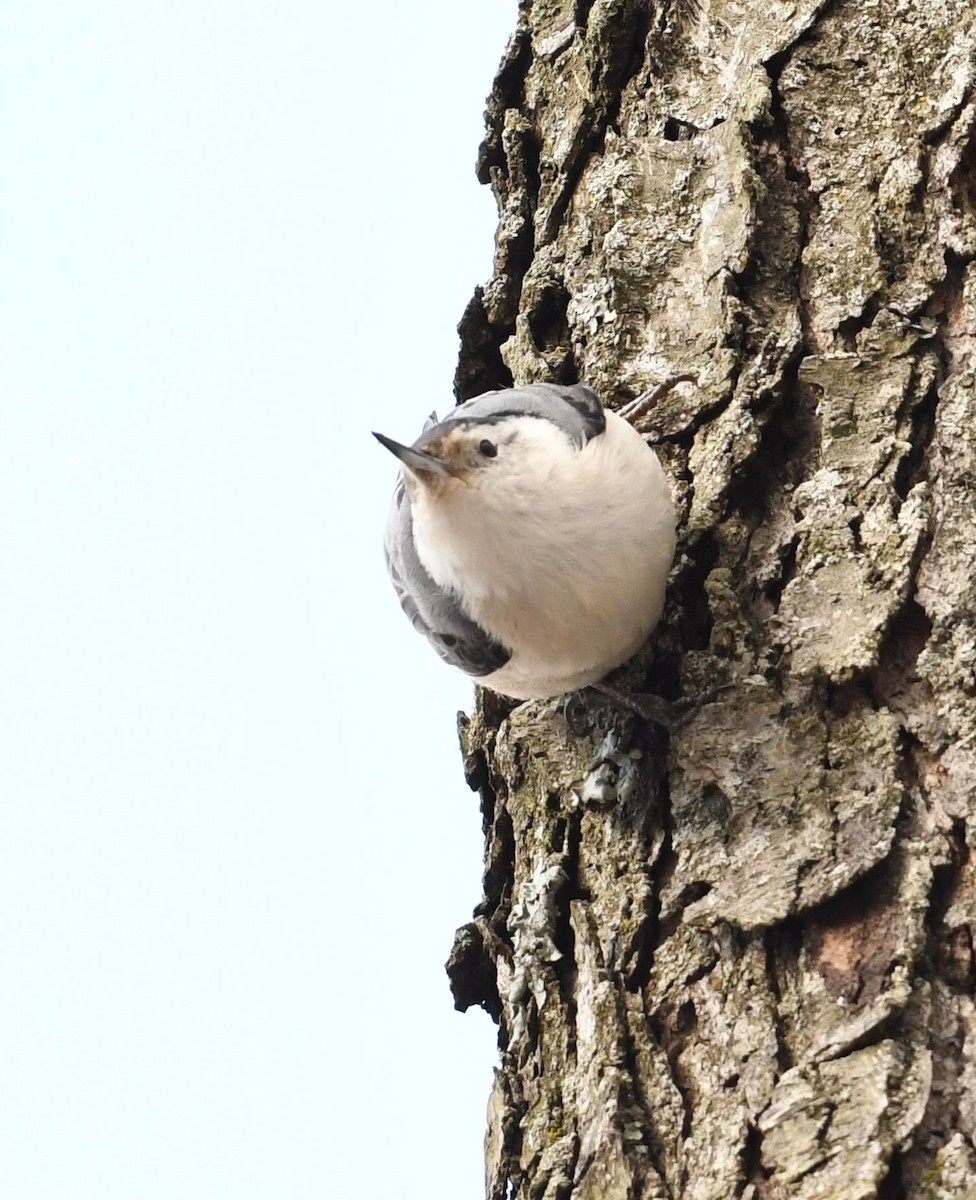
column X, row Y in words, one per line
column 414, row 460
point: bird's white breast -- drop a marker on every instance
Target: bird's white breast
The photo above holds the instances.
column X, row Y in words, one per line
column 563, row 558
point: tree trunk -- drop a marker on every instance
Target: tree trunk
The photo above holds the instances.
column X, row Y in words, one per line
column 738, row 961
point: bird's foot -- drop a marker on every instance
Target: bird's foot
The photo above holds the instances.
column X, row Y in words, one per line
column 639, row 408
column 669, row 714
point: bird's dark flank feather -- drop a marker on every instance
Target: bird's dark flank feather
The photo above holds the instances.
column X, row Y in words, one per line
column 434, row 611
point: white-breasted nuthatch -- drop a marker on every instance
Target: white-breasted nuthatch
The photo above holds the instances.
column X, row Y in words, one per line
column 530, row 538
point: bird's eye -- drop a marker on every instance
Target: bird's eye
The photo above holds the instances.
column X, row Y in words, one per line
column 488, row 449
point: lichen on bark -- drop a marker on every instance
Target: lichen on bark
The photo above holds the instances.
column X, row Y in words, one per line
column 738, row 961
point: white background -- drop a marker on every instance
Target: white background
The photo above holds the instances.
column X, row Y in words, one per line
column 235, row 838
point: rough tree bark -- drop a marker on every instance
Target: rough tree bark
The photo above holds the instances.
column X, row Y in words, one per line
column 738, row 962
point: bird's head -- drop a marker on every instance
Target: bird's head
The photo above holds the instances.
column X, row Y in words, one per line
column 496, row 456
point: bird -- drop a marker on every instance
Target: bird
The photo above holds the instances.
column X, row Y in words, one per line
column 530, row 538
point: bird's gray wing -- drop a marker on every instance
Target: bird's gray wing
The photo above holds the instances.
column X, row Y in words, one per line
column 434, row 611
column 576, row 410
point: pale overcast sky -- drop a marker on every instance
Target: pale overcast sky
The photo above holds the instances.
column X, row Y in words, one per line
column 235, row 836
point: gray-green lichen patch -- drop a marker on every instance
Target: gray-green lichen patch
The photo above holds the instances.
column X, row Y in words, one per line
column 611, row 1119
column 859, row 249
column 947, row 574
column 619, row 264
column 775, row 810
column 858, row 539
column 709, row 1002
column 952, row 1175
column 828, row 1130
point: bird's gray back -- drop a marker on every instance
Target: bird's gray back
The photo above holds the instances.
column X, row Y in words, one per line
column 574, row 409
column 435, row 611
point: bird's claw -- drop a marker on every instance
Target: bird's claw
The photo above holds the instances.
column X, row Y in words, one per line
column 669, row 714
column 636, row 409
column 574, row 712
